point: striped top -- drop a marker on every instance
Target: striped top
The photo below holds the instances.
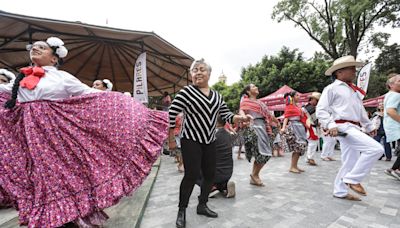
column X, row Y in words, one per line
column 200, row 113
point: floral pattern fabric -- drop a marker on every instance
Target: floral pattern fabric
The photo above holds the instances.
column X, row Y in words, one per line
column 292, row 143
column 5, row 199
column 251, row 145
column 67, row 159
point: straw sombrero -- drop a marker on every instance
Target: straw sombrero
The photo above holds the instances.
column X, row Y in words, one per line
column 343, row 62
column 315, row 95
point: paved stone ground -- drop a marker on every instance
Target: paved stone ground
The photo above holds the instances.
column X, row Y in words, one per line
column 287, row 200
column 126, row 214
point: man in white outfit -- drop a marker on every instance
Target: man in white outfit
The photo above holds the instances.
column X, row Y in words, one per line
column 340, row 110
column 328, row 148
column 313, row 131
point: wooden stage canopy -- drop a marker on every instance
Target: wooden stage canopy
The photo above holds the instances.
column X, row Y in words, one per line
column 97, row 52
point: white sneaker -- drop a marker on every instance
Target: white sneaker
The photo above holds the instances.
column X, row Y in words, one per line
column 231, row 189
column 213, row 193
column 395, row 174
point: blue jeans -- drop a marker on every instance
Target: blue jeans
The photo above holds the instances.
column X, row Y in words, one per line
column 386, row 145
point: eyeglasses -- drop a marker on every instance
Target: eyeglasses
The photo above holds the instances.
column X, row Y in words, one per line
column 39, row 45
column 197, row 69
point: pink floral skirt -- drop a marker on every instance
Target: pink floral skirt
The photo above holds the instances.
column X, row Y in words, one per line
column 68, row 159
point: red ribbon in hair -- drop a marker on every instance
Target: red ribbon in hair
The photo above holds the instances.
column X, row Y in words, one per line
column 32, row 77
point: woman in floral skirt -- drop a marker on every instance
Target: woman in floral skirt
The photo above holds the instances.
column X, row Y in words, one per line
column 67, row 154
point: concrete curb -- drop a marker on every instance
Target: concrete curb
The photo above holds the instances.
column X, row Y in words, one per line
column 155, row 169
column 127, row 213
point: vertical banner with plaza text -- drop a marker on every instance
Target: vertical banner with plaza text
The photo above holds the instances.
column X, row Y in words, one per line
column 363, row 77
column 140, row 79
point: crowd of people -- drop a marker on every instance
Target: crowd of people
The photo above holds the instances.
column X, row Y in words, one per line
column 336, row 114
column 63, row 161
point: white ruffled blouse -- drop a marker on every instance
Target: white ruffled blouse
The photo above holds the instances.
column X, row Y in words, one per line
column 54, row 85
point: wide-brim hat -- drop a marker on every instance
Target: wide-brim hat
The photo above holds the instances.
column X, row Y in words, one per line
column 315, row 95
column 342, row 62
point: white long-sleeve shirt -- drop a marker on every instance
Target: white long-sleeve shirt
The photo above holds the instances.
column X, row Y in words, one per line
column 54, row 85
column 340, row 102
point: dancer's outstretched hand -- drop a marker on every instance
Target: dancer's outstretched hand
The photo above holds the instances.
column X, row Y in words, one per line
column 373, row 133
column 333, row 132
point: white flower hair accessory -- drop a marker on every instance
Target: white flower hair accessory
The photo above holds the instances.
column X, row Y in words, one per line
column 8, row 74
column 58, row 46
column 108, row 83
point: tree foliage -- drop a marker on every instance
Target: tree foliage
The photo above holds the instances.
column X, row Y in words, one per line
column 231, row 94
column 288, row 67
column 339, row 26
column 376, row 84
column 387, row 62
column 389, row 59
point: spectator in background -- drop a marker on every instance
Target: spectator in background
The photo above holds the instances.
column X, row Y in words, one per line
column 328, row 147
column 177, row 151
column 104, row 85
column 166, row 101
column 377, row 120
column 239, row 139
column 313, row 130
column 391, row 120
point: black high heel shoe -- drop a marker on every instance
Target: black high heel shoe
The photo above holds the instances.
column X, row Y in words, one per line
column 181, row 218
column 202, row 209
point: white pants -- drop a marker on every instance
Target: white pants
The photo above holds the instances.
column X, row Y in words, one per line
column 328, row 146
column 311, row 148
column 359, row 154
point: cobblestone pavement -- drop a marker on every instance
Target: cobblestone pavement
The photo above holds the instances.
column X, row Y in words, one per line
column 287, row 200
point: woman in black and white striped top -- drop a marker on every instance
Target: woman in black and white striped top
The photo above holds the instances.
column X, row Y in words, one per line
column 201, row 107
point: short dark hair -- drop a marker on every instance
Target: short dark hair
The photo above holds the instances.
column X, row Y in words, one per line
column 291, row 94
column 220, row 121
column 245, row 90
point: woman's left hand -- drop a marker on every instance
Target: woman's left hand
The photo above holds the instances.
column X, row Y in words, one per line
column 246, row 119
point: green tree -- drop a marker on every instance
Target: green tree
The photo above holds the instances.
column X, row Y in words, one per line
column 376, row 84
column 287, row 68
column 231, row 94
column 389, row 60
column 339, row 26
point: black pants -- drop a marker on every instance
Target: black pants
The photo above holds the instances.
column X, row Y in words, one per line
column 196, row 157
column 396, row 164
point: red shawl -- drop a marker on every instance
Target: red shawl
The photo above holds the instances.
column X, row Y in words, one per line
column 292, row 110
column 257, row 106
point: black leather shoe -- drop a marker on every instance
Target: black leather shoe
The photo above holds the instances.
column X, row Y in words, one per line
column 181, row 219
column 202, row 209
